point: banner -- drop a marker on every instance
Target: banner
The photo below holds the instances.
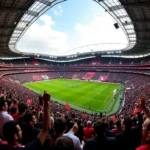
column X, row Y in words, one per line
column 88, row 75
column 5, row 80
column 37, row 78
column 45, row 77
column 35, row 62
column 16, row 81
column 75, row 75
column 103, row 78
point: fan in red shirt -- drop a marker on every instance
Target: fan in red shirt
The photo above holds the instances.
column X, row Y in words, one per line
column 14, row 113
column 146, row 128
column 88, row 131
column 118, row 128
column 146, row 134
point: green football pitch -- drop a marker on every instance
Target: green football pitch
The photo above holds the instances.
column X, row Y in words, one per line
column 81, row 95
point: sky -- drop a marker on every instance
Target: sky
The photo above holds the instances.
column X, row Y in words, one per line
column 69, row 25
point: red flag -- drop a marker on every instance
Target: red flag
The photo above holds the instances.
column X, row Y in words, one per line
column 67, row 106
column 134, row 112
column 114, row 118
column 29, row 101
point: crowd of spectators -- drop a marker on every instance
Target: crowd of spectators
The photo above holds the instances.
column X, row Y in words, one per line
column 91, row 61
column 48, row 125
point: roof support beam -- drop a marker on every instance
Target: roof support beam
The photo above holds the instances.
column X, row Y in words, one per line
column 4, row 36
column 131, row 33
column 143, row 21
column 3, row 43
column 32, row 13
column 143, row 31
column 46, row 2
column 19, row 29
column 127, row 23
column 14, row 37
column 24, row 21
column 7, row 27
column 12, row 43
column 147, row 38
column 137, row 22
column 139, row 5
column 117, row 7
column 16, row 10
column 132, row 41
column 5, row 46
column 124, row 16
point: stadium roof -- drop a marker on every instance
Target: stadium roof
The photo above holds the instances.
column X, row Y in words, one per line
column 139, row 12
column 16, row 16
column 11, row 11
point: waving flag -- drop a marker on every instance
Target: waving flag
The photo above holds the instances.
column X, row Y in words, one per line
column 29, row 101
column 67, row 106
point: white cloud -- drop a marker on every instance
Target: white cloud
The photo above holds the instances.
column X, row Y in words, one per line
column 47, row 20
column 58, row 11
column 42, row 38
column 99, row 30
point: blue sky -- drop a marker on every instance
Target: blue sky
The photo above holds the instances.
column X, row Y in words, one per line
column 71, row 24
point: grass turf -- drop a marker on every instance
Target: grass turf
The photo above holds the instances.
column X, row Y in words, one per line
column 87, row 96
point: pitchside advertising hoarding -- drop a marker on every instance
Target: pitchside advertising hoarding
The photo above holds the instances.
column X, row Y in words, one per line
column 36, row 70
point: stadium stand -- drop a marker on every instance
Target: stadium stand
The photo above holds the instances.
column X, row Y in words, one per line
column 33, row 121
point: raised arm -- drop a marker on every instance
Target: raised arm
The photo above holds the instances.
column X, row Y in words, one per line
column 46, row 118
column 145, row 110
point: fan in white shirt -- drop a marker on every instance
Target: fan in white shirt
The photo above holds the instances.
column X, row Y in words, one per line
column 74, row 138
column 4, row 116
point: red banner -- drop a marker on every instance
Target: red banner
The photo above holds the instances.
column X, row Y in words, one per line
column 88, row 75
column 37, row 78
column 103, row 78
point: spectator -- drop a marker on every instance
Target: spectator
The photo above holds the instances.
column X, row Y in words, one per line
column 51, row 126
column 29, row 129
column 100, row 142
column 118, row 128
column 64, row 143
column 145, row 129
column 22, row 107
column 128, row 139
column 74, row 138
column 10, row 104
column 80, row 130
column 59, row 129
column 13, row 134
column 14, row 113
column 146, row 134
column 88, row 131
column 4, row 116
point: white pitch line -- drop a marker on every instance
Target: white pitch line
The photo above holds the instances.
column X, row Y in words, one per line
column 107, row 104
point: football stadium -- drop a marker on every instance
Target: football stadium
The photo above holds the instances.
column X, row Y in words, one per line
column 74, row 75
